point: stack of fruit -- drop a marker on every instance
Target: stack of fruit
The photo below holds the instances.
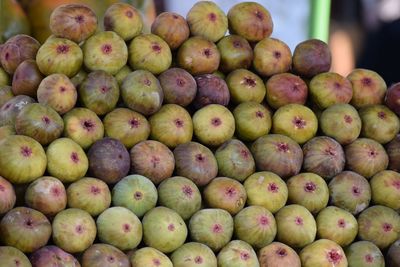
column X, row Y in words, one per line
column 111, row 143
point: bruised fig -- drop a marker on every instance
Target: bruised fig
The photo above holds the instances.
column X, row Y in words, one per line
column 99, row 255
column 278, row 254
column 244, row 86
column 75, row 22
column 26, row 78
column 211, row 89
column 49, row 256
column 206, row 19
column 236, row 53
column 250, row 20
column 5, row 94
column 171, row 27
column 10, row 109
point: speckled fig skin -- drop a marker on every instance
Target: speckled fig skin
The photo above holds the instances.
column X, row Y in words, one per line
column 13, row 257
column 193, row 254
column 178, row 85
column 5, row 94
column 198, row 56
column 75, row 22
column 323, row 253
column 171, row 27
column 150, row 257
column 123, row 19
column 16, row 50
column 7, row 196
column 272, row 56
column 53, row 256
column 26, row 78
column 237, row 253
column 311, row 57
column 278, row 254
column 211, row 90
column 385, row 187
column 250, row 20
column 393, row 255
column 99, row 255
column 244, row 86
column 236, row 53
column 59, row 55
column 393, row 151
column 10, row 109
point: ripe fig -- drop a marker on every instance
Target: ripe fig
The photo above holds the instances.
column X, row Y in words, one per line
column 385, row 188
column 10, row 109
column 244, row 86
column 236, row 53
column 49, row 256
column 193, row 254
column 7, row 196
column 364, row 253
column 10, row 256
column 323, row 253
column 172, row 28
column 150, row 257
column 211, row 89
column 393, row 258
column 26, row 78
column 5, row 94
column 237, row 253
column 393, row 151
column 278, row 254
column 99, row 255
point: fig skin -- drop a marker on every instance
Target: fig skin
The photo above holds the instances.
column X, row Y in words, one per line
column 365, row 252
column 278, row 254
column 4, row 77
column 198, row 56
column 53, row 256
column 123, row 19
column 211, row 89
column 272, row 56
column 13, row 257
column 7, row 196
column 16, row 50
column 26, row 78
column 75, row 22
column 323, row 253
column 385, row 188
column 236, row 53
column 6, row 130
column 391, row 98
column 10, row 109
column 99, row 255
column 192, row 254
column 237, row 253
column 5, row 94
column 59, row 55
column 250, row 20
column 393, row 258
column 244, row 86
column 206, row 19
column 150, row 257
column 393, row 151
column 172, row 28
column 311, row 57
column 179, row 86
column 122, row 73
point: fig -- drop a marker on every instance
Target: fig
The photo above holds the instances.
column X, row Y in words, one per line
column 391, row 98
column 278, row 254
column 206, row 19
column 213, row 125
column 150, row 257
column 5, row 94
column 98, row 255
column 309, row 190
column 89, row 194
column 393, row 149
column 59, row 55
column 385, row 188
column 350, row 191
column 311, row 57
column 74, row 230
column 379, row 123
column 47, row 195
column 172, row 28
column 49, row 256
column 119, row 227
column 105, row 51
column 196, row 162
column 7, row 196
column 364, row 253
column 277, row 153
column 250, row 20
column 341, row 122
column 83, row 126
column 78, row 79
column 329, row 88
column 252, row 120
column 26, row 78
column 237, row 253
column 122, row 73
column 380, row 225
column 58, row 92
column 75, row 22
column 16, row 50
column 266, row 189
column 369, row 88
column 393, row 258
column 212, row 227
column 123, row 19
column 10, row 109
column 66, row 160
column 271, row 56
column 4, row 78
column 234, row 160
column 193, row 254
column 13, row 257
column 285, row 88
column 198, row 56
column 149, row 52
column 108, row 160
column 181, row 195
column 296, row 121
column 225, row 193
column 164, row 229
column 152, row 159
column 171, row 125
column 99, row 92
column 142, row 92
column 211, row 89
column 236, row 53
column 323, row 156
column 256, row 226
column 136, row 193
column 179, row 86
column 22, row 159
column 366, row 157
column 127, row 126
column 323, row 253
column 296, row 226
column 244, row 86
column 6, row 130
column 40, row 122
column 25, row 229
column 337, row 225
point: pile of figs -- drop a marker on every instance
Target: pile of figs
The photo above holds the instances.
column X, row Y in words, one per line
column 189, row 146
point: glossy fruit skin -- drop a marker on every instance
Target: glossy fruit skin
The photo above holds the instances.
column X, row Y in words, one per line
column 172, row 27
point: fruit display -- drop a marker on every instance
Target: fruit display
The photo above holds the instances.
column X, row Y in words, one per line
column 205, row 142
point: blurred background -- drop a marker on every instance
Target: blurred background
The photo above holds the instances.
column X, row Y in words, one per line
column 363, row 33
